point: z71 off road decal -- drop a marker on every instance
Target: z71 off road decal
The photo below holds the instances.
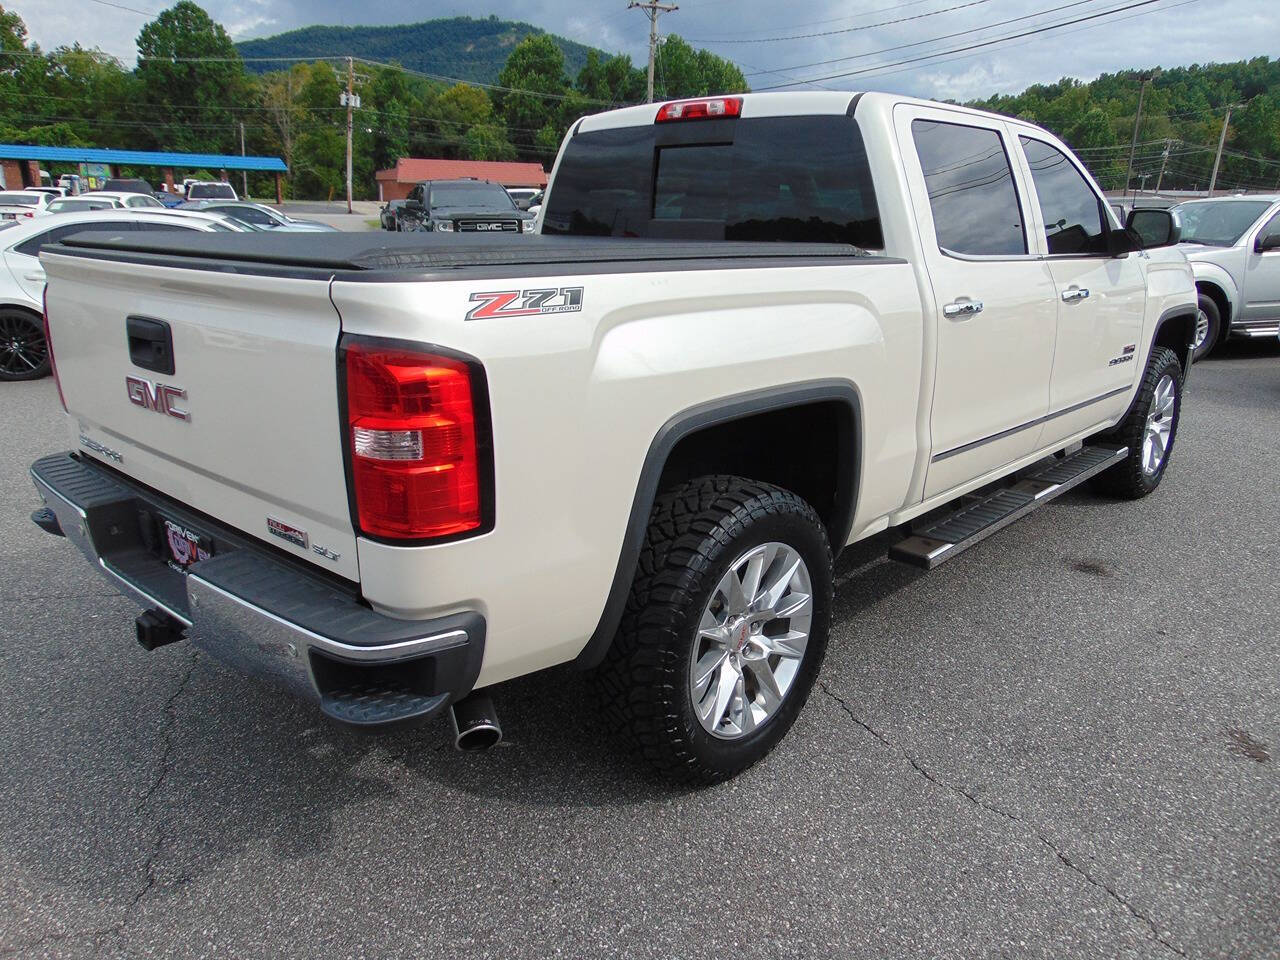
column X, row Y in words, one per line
column 496, row 304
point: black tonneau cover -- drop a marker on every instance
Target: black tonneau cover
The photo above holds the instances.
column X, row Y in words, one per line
column 344, row 253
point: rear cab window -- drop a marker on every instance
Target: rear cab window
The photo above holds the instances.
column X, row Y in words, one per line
column 765, row 178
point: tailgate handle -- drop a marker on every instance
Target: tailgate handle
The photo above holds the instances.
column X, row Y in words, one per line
column 150, row 344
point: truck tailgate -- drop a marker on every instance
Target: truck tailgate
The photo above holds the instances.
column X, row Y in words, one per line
column 245, row 428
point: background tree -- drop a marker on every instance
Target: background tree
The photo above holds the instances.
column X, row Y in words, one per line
column 683, row 71
column 191, row 79
column 535, row 69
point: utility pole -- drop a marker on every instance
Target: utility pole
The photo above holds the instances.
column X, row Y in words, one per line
column 1222, row 141
column 1137, row 122
column 244, row 174
column 652, row 10
column 351, row 103
column 1164, row 159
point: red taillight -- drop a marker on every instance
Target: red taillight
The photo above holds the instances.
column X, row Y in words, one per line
column 28, row 213
column 48, row 345
column 414, row 441
column 708, row 109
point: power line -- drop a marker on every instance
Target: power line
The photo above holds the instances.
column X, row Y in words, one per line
column 856, row 16
column 947, row 36
column 973, row 46
column 121, row 6
column 865, row 26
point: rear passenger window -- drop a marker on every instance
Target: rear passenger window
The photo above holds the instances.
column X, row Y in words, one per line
column 971, row 191
column 1073, row 218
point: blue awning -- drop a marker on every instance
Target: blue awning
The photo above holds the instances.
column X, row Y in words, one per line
column 141, row 158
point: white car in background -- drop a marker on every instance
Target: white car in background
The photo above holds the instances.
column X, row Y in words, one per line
column 523, row 196
column 23, row 353
column 211, row 190
column 84, row 203
column 20, row 204
column 130, row 201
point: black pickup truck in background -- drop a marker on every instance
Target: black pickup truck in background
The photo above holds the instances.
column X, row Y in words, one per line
column 462, row 206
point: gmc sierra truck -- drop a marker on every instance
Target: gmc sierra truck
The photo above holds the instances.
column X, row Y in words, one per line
column 391, row 471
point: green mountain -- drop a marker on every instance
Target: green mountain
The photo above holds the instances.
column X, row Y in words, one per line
column 461, row 47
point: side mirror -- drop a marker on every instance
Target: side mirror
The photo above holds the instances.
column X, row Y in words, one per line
column 1265, row 242
column 1154, row 228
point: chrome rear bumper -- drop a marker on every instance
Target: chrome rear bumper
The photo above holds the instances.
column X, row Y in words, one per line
column 262, row 614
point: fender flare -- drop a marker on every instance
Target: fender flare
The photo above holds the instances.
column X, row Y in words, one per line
column 710, row 414
column 1183, row 312
column 1220, row 278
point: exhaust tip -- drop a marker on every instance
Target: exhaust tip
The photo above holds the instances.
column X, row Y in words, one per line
column 475, row 723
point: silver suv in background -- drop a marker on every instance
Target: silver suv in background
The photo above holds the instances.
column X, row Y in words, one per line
column 257, row 215
column 1233, row 244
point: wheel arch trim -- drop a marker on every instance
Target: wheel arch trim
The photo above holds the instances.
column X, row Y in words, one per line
column 1212, row 275
column 701, row 417
column 1179, row 313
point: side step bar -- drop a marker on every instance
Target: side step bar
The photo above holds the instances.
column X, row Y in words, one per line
column 949, row 536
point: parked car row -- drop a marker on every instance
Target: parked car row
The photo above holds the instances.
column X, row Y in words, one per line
column 24, row 354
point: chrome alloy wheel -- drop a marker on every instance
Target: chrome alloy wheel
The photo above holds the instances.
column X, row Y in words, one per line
column 751, row 640
column 1159, row 429
column 1202, row 330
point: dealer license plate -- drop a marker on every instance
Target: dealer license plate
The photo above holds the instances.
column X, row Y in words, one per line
column 184, row 546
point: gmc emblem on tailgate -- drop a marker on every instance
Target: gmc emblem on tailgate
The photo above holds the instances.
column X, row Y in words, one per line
column 159, row 397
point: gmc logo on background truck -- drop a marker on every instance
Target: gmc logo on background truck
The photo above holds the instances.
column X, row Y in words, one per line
column 159, row 397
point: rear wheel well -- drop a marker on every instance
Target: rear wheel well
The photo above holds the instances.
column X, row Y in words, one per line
column 808, row 449
column 1219, row 297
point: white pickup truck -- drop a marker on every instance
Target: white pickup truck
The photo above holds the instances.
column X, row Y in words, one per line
column 388, row 471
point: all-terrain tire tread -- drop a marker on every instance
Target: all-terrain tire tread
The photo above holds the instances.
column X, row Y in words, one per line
column 640, row 678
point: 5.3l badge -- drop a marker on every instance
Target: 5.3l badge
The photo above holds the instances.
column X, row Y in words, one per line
column 496, row 304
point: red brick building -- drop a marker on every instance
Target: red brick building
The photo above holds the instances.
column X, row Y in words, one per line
column 20, row 173
column 395, row 184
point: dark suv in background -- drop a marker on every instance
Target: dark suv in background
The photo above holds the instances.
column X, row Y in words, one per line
column 462, row 206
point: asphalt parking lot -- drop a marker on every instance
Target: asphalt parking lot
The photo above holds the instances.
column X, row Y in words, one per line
column 1065, row 743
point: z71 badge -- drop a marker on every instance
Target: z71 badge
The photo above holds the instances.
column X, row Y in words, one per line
column 496, row 304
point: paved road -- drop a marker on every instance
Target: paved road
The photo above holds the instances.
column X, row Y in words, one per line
column 1064, row 744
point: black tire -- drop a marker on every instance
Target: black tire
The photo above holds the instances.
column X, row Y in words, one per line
column 1131, row 479
column 1213, row 317
column 696, row 531
column 24, row 354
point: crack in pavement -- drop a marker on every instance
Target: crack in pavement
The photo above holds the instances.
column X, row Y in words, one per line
column 116, row 930
column 148, row 870
column 977, row 801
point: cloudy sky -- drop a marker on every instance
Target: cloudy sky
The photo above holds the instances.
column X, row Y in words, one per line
column 822, row 41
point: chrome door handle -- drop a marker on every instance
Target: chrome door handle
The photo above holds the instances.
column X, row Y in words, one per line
column 1072, row 294
column 962, row 308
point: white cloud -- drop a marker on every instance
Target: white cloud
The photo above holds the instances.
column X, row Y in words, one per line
column 1170, row 33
